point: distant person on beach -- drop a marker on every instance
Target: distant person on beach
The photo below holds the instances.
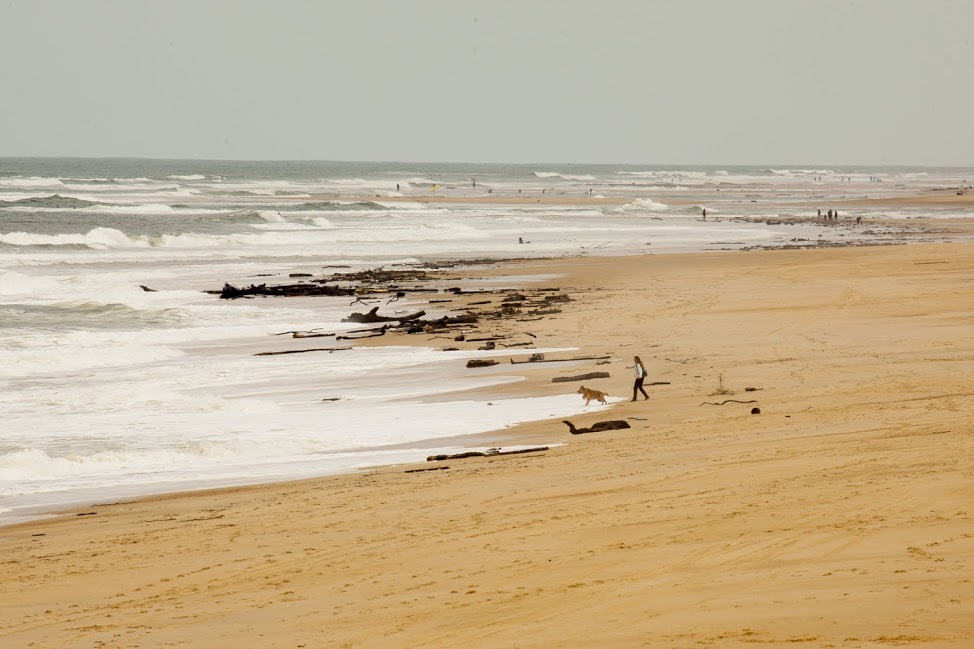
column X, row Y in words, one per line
column 830, row 215
column 640, row 371
column 820, row 212
column 397, row 187
column 705, row 214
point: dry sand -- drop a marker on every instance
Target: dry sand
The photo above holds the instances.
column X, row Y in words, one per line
column 840, row 516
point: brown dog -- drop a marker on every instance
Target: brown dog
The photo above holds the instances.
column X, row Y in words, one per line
column 592, row 395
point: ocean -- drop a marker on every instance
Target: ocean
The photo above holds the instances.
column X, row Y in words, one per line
column 110, row 391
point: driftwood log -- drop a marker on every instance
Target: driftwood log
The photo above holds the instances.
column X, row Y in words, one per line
column 372, row 316
column 231, row 292
column 562, row 360
column 491, row 453
column 480, row 363
column 597, row 427
column 580, row 377
column 302, row 351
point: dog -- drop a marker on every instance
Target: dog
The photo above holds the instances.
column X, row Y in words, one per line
column 592, row 395
column 597, row 427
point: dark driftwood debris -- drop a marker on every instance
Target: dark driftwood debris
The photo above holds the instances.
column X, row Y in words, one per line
column 460, row 456
column 301, row 351
column 429, row 468
column 710, row 403
column 563, row 360
column 480, row 363
column 375, row 334
column 231, row 292
column 597, row 427
column 372, row 316
column 580, row 377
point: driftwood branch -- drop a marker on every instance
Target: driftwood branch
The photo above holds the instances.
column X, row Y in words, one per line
column 372, row 316
column 709, row 403
column 301, row 351
column 491, row 453
column 476, row 362
column 231, row 292
column 597, row 427
column 563, row 360
column 580, row 377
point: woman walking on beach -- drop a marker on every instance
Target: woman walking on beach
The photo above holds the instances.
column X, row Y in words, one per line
column 640, row 371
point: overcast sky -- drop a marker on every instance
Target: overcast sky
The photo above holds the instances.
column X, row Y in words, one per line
column 613, row 81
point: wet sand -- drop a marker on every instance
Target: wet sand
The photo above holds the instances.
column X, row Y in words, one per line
column 839, row 516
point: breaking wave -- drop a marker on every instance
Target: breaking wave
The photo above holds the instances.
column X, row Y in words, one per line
column 54, row 200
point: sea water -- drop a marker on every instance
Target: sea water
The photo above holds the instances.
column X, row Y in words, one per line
column 108, row 390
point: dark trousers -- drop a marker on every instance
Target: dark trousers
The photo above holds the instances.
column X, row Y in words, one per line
column 638, row 385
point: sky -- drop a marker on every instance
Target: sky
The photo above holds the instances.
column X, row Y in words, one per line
column 606, row 81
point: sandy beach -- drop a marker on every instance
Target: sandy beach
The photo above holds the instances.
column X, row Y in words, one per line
column 839, row 516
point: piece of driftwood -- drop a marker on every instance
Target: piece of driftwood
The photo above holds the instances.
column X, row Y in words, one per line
column 710, row 403
column 657, row 383
column 231, row 292
column 562, row 360
column 308, row 334
column 302, row 351
column 378, row 332
column 491, row 453
column 597, row 427
column 429, row 468
column 372, row 316
column 580, row 377
column 480, row 363
column 147, row 289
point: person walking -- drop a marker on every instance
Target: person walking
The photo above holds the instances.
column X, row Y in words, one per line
column 640, row 371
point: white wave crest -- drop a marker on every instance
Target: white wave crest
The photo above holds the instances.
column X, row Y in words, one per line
column 647, row 205
column 145, row 208
column 555, row 174
column 12, row 283
column 33, row 181
column 802, row 172
column 96, row 238
column 271, row 216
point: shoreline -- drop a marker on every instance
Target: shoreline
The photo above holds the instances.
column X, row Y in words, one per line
column 838, row 515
